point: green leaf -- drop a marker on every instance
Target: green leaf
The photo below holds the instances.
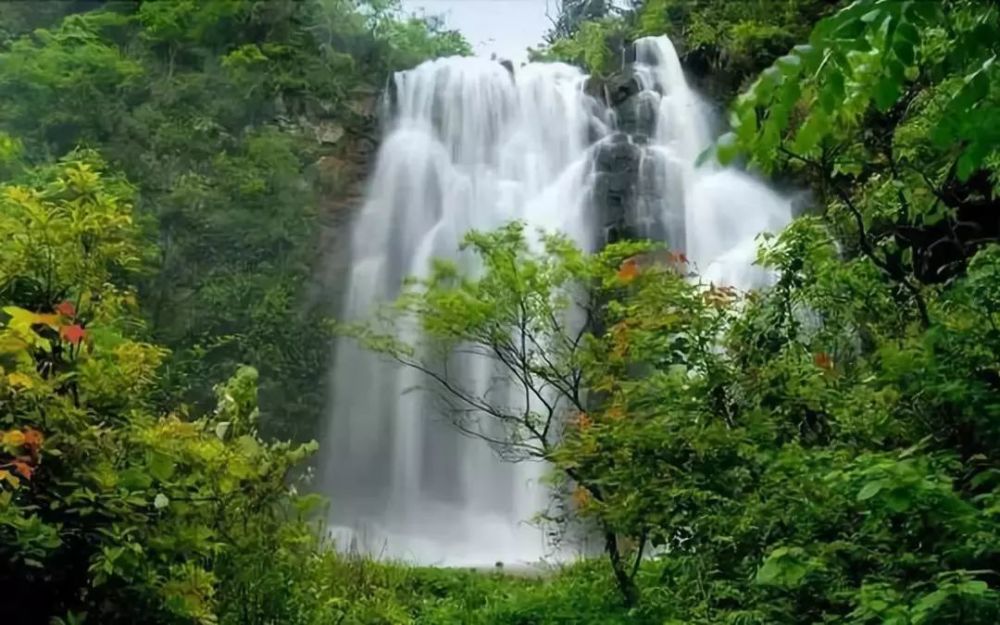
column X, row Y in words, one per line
column 904, row 51
column 870, row 489
column 768, row 573
column 811, row 132
column 135, row 479
column 909, row 33
column 871, row 16
column 806, row 51
column 727, row 148
column 966, row 165
column 790, row 64
column 785, row 566
column 887, row 92
column 248, row 445
column 769, row 80
column 161, row 466
column 161, row 501
column 706, row 155
column 986, row 477
column 745, row 125
column 836, row 84
column 899, row 499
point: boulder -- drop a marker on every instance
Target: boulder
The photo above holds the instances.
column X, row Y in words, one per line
column 617, row 154
column 620, row 87
column 328, row 132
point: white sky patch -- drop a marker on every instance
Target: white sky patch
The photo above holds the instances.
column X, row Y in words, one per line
column 502, row 27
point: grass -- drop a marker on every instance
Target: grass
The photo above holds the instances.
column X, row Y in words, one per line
column 395, row 594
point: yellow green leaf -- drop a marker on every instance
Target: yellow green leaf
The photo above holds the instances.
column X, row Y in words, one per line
column 10, row 478
column 21, row 380
column 14, row 438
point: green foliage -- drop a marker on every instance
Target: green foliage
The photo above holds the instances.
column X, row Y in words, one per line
column 518, row 313
column 724, row 44
column 572, row 15
column 217, row 112
column 107, row 508
column 594, row 45
column 69, row 85
column 730, row 41
column 889, row 59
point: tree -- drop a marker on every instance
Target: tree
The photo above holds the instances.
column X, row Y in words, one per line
column 572, row 14
column 107, row 508
column 853, row 110
column 562, row 334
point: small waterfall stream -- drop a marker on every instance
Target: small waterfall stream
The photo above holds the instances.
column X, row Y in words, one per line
column 472, row 145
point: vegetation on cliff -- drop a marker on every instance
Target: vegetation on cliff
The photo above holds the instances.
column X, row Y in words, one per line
column 219, row 113
column 723, row 44
column 158, row 212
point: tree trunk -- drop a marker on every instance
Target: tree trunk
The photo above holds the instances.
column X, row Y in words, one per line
column 625, row 581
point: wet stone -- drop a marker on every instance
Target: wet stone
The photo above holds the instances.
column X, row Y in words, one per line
column 620, row 88
column 618, row 155
column 637, row 115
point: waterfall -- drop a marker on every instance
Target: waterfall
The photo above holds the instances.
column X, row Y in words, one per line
column 472, row 145
column 719, row 211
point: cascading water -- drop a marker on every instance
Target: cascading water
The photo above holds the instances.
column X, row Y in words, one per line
column 713, row 214
column 471, row 145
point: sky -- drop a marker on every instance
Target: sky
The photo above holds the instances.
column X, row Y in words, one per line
column 506, row 27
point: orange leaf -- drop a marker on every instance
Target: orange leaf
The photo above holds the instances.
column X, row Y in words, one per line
column 23, row 468
column 33, row 438
column 628, row 270
column 74, row 333
column 66, row 309
column 619, row 340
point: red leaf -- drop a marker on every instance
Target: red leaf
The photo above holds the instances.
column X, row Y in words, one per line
column 66, row 309
column 74, row 333
column 823, row 360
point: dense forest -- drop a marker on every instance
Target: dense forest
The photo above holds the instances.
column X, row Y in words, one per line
column 826, row 450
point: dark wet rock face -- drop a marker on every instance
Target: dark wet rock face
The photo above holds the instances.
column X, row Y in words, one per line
column 630, row 181
column 619, row 88
column 637, row 114
column 616, row 165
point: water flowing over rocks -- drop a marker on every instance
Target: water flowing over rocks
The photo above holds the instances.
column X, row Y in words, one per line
column 471, row 143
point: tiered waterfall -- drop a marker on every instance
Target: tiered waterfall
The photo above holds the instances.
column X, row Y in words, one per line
column 471, row 144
